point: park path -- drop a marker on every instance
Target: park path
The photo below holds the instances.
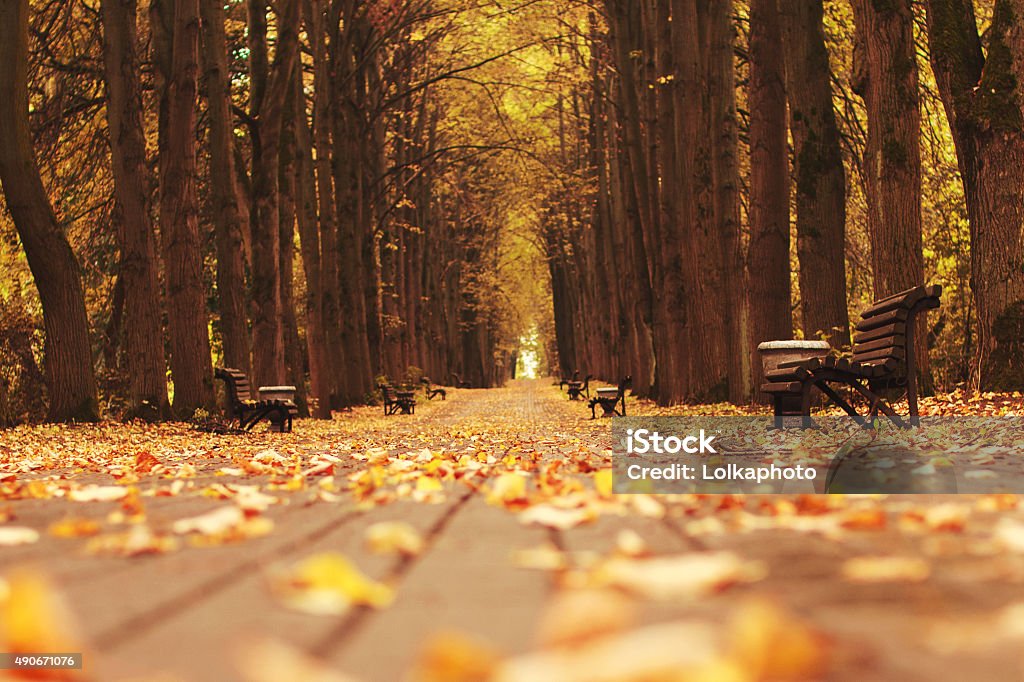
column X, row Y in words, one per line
column 953, row 609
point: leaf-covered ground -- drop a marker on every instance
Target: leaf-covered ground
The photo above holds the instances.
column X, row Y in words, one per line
column 480, row 540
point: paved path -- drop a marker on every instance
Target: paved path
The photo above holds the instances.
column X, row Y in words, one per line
column 188, row 613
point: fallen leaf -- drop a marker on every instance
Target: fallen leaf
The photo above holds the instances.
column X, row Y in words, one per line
column 683, row 651
column 34, row 618
column 146, row 462
column 271, row 660
column 544, row 558
column 98, row 493
column 773, row 645
column 681, row 576
column 575, row 616
column 328, row 584
column 885, row 569
column 136, row 541
column 455, row 657
column 509, row 489
column 74, row 528
column 553, row 517
column 629, row 543
column 210, row 523
column 17, row 535
column 394, row 537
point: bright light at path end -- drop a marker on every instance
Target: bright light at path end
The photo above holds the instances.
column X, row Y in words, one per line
column 529, row 358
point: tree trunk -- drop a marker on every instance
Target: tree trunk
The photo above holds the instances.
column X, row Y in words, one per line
column 176, row 46
column 983, row 96
column 69, row 373
column 333, row 358
column 768, row 293
column 309, row 246
column 268, row 95
column 726, row 187
column 294, row 358
column 886, row 77
column 819, row 172
column 139, row 269
column 228, row 209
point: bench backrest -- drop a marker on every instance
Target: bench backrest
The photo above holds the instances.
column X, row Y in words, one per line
column 385, row 392
column 237, row 385
column 885, row 334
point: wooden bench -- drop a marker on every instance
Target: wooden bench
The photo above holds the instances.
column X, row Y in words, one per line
column 248, row 412
column 565, row 381
column 578, row 388
column 610, row 398
column 459, row 383
column 882, row 359
column 397, row 400
column 432, row 392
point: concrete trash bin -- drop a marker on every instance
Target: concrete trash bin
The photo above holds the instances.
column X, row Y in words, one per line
column 277, row 393
column 774, row 353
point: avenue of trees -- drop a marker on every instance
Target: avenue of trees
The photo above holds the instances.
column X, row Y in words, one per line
column 277, row 189
column 321, row 192
column 765, row 169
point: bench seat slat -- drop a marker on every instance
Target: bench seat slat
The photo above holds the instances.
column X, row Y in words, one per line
column 880, row 354
column 897, row 315
column 787, row 374
column 782, row 387
column 904, row 299
column 884, row 342
column 895, row 329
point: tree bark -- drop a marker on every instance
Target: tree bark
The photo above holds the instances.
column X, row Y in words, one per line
column 310, row 249
column 983, row 95
column 294, row 357
column 329, row 282
column 176, row 46
column 69, row 373
column 726, row 186
column 228, row 207
column 886, row 77
column 768, row 292
column 268, row 95
column 819, row 172
column 139, row 268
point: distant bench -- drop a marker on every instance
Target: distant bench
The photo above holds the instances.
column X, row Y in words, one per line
column 249, row 412
column 610, row 399
column 432, row 392
column 397, row 400
column 578, row 388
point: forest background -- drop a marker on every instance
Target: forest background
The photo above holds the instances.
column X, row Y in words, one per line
column 322, row 192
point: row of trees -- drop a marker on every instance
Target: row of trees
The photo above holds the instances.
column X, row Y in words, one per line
column 306, row 144
column 716, row 132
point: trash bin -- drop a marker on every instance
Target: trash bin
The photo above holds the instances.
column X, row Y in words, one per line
column 277, row 393
column 774, row 353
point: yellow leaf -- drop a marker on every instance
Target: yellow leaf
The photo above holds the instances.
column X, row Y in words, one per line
column 394, row 537
column 74, row 528
column 98, row 493
column 34, row 617
column 455, row 657
column 329, row 584
column 885, row 569
column 508, row 489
